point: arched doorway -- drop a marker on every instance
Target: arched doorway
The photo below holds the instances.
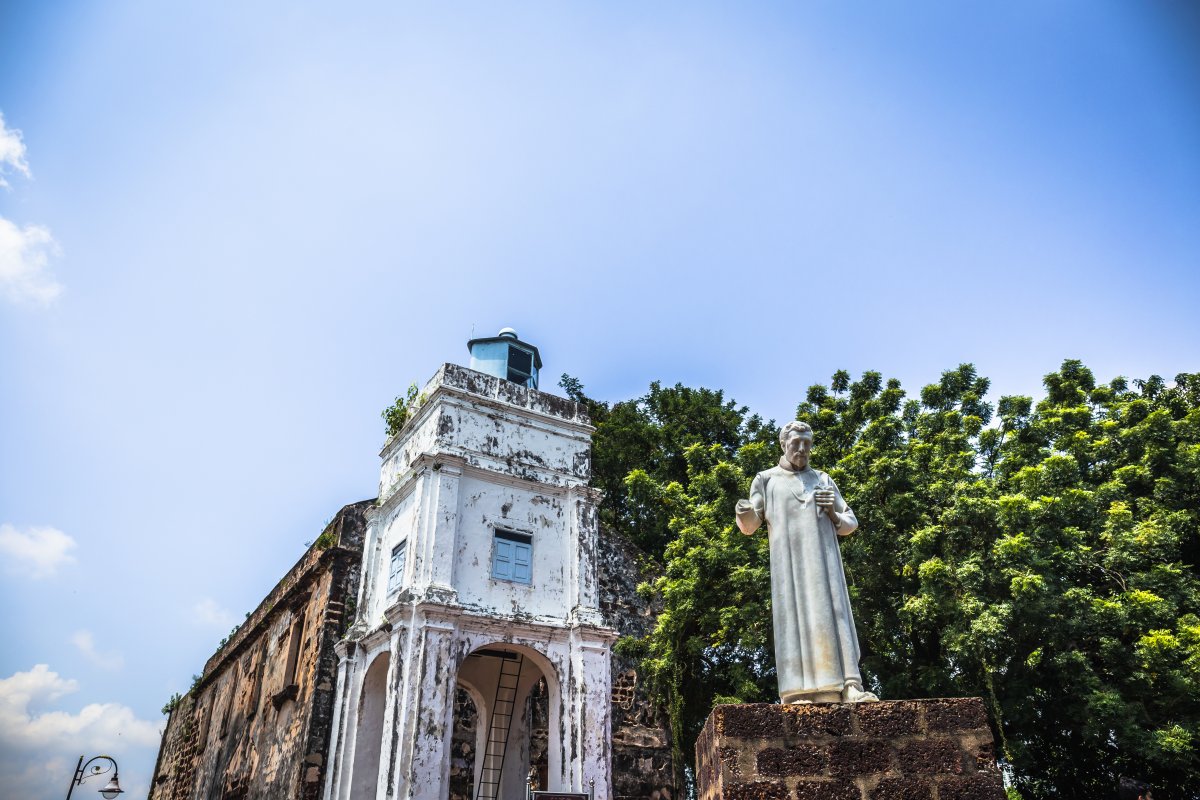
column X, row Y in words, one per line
column 515, row 693
column 368, row 737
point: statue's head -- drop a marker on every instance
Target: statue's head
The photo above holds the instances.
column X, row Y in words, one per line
column 796, row 439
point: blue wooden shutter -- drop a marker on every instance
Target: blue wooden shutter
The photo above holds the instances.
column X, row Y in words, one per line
column 502, row 560
column 399, row 559
column 522, row 557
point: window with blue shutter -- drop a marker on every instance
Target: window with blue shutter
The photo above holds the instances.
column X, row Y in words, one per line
column 512, row 557
column 396, row 571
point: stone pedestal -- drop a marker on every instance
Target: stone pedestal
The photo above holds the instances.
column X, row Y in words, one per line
column 899, row 750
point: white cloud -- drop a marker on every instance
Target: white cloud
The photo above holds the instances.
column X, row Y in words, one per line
column 24, row 252
column 37, row 551
column 24, row 256
column 206, row 612
column 87, row 645
column 12, row 152
column 38, row 749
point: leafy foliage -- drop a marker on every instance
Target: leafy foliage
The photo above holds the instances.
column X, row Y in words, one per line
column 327, row 539
column 652, row 434
column 1041, row 556
column 171, row 704
column 395, row 415
column 231, row 634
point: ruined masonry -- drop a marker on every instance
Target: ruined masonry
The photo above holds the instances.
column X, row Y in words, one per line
column 451, row 639
column 899, row 750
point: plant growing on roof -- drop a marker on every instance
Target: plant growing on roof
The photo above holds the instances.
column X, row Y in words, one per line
column 395, row 415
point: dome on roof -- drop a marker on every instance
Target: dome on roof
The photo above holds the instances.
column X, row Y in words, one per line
column 508, row 333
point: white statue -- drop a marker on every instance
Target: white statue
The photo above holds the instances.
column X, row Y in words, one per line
column 816, row 646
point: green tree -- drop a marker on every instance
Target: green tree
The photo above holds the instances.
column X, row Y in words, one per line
column 712, row 642
column 1044, row 559
column 1089, row 635
column 652, row 434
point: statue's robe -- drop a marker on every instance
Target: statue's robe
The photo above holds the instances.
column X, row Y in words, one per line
column 816, row 645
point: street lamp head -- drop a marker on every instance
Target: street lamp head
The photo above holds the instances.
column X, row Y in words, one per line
column 82, row 773
column 111, row 789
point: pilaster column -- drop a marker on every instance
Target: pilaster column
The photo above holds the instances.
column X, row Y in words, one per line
column 590, row 710
column 345, row 677
column 421, row 751
column 444, row 526
column 584, row 532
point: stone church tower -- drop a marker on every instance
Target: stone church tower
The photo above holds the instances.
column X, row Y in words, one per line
column 479, row 574
column 451, row 639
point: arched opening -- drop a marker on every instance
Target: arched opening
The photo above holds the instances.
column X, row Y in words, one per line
column 514, row 691
column 368, row 737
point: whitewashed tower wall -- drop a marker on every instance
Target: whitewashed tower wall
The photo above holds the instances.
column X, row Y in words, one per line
column 484, row 470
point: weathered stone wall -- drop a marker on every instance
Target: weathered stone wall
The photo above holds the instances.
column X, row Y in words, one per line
column 539, row 734
column 175, row 766
column 641, row 739
column 457, row 427
column 462, row 747
column 899, row 750
column 482, row 455
column 257, row 723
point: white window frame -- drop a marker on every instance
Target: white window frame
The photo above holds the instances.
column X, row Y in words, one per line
column 396, row 573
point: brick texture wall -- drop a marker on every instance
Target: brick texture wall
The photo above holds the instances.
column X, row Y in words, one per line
column 899, row 750
column 249, row 729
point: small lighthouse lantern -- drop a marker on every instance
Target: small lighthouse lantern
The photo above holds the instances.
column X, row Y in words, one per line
column 506, row 356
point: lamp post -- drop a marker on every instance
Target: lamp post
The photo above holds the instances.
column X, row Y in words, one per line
column 110, row 790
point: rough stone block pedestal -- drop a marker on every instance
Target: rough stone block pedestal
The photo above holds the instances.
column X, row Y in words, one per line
column 898, row 750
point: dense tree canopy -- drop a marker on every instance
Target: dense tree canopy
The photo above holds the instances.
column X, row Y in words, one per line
column 1043, row 556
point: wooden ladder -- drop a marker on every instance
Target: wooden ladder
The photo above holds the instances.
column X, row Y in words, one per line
column 499, row 725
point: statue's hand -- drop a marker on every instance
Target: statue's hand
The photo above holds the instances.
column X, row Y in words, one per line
column 824, row 499
column 749, row 518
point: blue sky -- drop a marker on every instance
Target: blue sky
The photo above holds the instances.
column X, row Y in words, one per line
column 231, row 234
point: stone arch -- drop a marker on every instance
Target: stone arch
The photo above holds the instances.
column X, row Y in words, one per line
column 479, row 674
column 368, row 736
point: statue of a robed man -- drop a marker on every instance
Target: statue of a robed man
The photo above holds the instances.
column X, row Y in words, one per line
column 816, row 646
